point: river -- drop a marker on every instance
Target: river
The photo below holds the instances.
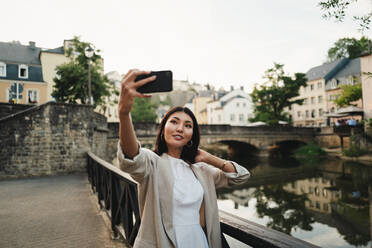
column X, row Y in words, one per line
column 327, row 203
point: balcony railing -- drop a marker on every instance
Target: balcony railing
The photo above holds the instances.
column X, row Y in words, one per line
column 117, row 196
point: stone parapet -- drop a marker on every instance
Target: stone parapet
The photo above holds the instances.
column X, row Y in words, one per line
column 50, row 139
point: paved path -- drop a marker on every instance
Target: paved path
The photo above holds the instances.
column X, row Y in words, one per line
column 53, row 212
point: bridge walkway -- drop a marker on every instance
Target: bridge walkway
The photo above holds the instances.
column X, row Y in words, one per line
column 58, row 211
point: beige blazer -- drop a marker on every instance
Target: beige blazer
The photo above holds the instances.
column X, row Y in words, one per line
column 155, row 193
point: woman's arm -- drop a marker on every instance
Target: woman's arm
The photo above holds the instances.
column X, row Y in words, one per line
column 224, row 173
column 128, row 92
column 206, row 157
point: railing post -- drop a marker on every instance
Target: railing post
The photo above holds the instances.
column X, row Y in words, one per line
column 115, row 216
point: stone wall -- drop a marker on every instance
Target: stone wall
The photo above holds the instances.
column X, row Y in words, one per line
column 7, row 109
column 50, row 139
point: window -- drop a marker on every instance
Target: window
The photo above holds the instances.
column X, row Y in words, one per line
column 317, row 205
column 23, row 71
column 237, row 104
column 241, row 117
column 232, row 117
column 320, row 99
column 313, row 113
column 32, row 96
column 320, row 111
column 311, row 87
column 307, row 113
column 325, row 206
column 320, row 85
column 298, row 114
column 305, row 101
column 312, row 100
column 332, row 109
column 2, row 69
column 333, row 83
column 244, row 104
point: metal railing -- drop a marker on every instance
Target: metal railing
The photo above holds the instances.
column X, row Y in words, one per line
column 117, row 194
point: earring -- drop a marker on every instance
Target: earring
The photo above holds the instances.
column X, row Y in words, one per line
column 189, row 144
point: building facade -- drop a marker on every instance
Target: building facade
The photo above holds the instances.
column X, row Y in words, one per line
column 323, row 87
column 234, row 108
column 30, row 69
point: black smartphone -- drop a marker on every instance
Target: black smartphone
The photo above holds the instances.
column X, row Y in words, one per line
column 162, row 83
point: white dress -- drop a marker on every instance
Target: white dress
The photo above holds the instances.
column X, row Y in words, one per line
column 187, row 199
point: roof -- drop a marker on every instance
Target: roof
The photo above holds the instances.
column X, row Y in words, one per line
column 12, row 52
column 322, row 70
column 59, row 50
column 351, row 68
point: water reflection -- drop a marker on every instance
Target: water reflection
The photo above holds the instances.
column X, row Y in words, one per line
column 306, row 200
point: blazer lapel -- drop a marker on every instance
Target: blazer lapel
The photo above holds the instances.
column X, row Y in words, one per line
column 166, row 181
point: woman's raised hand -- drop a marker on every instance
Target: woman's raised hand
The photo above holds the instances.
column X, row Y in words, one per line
column 129, row 90
column 202, row 156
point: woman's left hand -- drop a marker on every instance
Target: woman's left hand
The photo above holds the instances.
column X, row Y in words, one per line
column 202, row 156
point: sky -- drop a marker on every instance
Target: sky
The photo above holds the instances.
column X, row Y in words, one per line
column 221, row 42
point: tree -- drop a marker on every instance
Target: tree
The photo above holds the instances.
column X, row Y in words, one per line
column 143, row 110
column 350, row 93
column 349, row 48
column 277, row 93
column 337, row 9
column 71, row 81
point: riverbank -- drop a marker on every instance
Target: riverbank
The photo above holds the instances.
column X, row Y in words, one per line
column 337, row 152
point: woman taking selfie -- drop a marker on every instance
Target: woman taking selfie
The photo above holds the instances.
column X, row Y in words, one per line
column 177, row 182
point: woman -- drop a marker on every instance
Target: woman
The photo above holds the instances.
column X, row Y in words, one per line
column 177, row 182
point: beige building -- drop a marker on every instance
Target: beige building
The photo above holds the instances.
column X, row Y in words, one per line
column 323, row 87
column 28, row 68
column 200, row 106
column 366, row 67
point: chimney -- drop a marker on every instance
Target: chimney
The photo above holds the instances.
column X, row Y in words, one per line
column 32, row 44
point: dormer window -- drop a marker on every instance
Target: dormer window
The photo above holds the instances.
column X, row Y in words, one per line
column 23, row 71
column 2, row 69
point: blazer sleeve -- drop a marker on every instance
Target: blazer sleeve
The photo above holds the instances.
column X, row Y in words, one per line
column 227, row 179
column 141, row 166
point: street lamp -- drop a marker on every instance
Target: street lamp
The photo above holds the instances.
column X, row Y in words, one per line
column 89, row 52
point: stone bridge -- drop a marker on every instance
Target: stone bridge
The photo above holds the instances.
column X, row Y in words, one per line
column 260, row 139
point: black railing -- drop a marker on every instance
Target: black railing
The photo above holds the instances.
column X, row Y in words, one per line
column 117, row 195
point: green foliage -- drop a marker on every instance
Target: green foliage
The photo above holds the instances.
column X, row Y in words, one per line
column 349, row 48
column 310, row 150
column 275, row 94
column 71, row 82
column 143, row 110
column 354, row 151
column 337, row 9
column 369, row 122
column 350, row 93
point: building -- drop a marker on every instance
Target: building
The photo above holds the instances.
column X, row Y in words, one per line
column 111, row 108
column 28, row 68
column 234, row 108
column 323, row 87
column 366, row 67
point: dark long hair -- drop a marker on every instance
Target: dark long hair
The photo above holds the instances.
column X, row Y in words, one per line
column 188, row 152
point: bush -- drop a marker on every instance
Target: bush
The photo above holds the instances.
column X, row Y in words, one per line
column 310, row 150
column 353, row 151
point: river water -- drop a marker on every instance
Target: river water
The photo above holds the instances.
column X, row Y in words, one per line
column 327, row 203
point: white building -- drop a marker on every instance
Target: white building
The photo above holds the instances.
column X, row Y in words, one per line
column 234, row 109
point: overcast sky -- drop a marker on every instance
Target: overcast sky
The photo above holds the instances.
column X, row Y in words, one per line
column 222, row 42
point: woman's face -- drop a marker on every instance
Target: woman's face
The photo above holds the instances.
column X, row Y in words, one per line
column 178, row 130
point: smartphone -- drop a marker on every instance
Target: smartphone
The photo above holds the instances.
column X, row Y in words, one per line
column 162, row 83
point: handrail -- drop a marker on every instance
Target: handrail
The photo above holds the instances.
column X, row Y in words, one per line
column 118, row 196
